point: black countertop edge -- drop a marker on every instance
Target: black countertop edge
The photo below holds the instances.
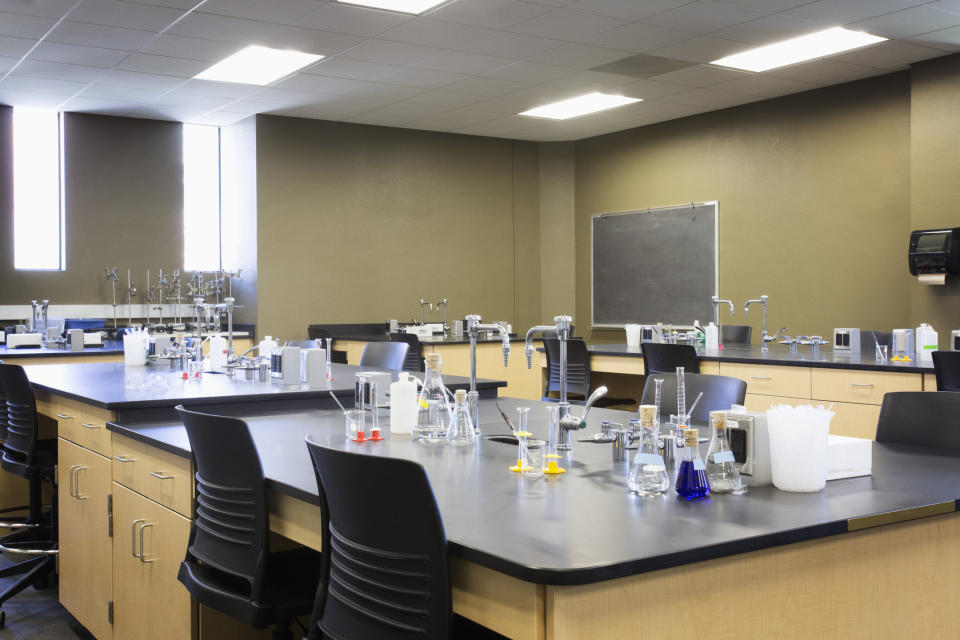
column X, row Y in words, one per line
column 450, row 339
column 29, row 352
column 147, row 440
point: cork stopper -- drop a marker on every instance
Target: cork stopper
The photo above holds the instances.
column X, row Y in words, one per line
column 691, row 437
column 461, row 395
column 432, row 361
column 718, row 420
column 647, row 412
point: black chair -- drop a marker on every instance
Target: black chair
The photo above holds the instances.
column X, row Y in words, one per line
column 316, row 333
column 304, row 344
column 578, row 373
column 228, row 564
column 735, row 333
column 946, row 365
column 384, row 570
column 384, row 355
column 414, row 359
column 920, row 418
column 665, row 358
column 719, row 392
column 26, row 456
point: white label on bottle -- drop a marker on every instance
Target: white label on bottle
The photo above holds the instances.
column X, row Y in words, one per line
column 723, row 456
column 698, row 464
column 649, row 458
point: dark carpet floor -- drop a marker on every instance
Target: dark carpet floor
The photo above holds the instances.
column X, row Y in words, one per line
column 36, row 615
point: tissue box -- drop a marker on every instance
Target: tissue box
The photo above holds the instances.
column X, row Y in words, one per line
column 18, row 340
column 848, row 457
column 92, row 340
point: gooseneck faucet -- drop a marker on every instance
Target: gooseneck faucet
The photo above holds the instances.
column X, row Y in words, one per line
column 716, row 314
column 424, row 303
column 444, row 303
column 765, row 338
column 561, row 328
column 473, row 330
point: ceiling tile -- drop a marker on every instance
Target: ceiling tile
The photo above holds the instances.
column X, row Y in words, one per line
column 400, row 112
column 445, row 98
column 495, row 14
column 909, row 22
column 22, row 26
column 128, row 15
column 769, row 29
column 282, row 96
column 587, row 81
column 508, row 127
column 163, row 65
column 485, row 86
column 759, row 84
column 42, row 85
column 93, row 35
column 704, row 97
column 318, row 84
column 640, row 38
column 386, row 92
column 427, row 78
column 100, row 107
column 30, row 98
column 278, row 11
column 528, row 72
column 387, row 52
column 246, row 107
column 121, row 78
column 171, row 113
column 192, row 101
column 653, row 89
column 768, row 6
column 167, row 44
column 625, row 9
column 121, row 94
column 700, row 49
column 173, row 4
column 358, row 21
column 701, row 75
column 944, row 40
column 831, row 13
column 42, row 8
column 201, row 25
column 76, row 54
column 7, row 63
column 354, row 69
column 705, row 16
column 579, row 56
column 230, row 90
column 15, row 47
column 826, row 71
column 952, row 6
column 892, row 55
column 567, row 25
column 462, row 37
column 325, row 43
column 459, row 62
column 219, row 118
column 59, row 71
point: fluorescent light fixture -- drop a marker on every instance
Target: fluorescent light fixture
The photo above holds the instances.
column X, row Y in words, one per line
column 258, row 65
column 579, row 106
column 813, row 45
column 403, row 6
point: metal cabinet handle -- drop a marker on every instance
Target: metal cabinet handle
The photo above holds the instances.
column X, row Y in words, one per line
column 64, row 416
column 70, row 483
column 76, row 483
column 761, row 378
column 159, row 474
column 91, row 426
column 133, row 538
column 142, row 559
column 860, row 384
column 124, row 459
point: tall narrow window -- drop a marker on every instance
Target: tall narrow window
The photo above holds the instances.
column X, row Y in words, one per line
column 201, row 198
column 37, row 207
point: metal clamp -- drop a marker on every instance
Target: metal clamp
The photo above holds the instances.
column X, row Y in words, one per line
column 133, row 538
column 159, row 474
column 92, row 426
column 64, row 416
column 124, row 459
column 142, row 559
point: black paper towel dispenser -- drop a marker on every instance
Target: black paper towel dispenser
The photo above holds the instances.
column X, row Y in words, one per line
column 934, row 251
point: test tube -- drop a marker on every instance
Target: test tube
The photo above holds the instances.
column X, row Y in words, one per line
column 329, row 358
column 681, row 398
column 658, row 393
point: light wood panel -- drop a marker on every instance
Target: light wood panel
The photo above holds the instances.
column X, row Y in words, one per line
column 771, row 380
column 617, row 364
column 80, row 423
column 710, row 367
column 499, row 602
column 864, row 387
column 929, row 382
column 855, row 420
column 354, row 349
column 295, row 519
column 86, row 573
column 896, row 581
column 161, row 476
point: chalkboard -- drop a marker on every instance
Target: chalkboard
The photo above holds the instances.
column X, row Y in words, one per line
column 655, row 265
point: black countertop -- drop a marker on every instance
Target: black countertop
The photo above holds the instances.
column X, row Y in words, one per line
column 584, row 526
column 110, row 347
column 112, row 385
column 780, row 355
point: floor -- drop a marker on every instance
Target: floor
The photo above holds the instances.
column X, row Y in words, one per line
column 36, row 615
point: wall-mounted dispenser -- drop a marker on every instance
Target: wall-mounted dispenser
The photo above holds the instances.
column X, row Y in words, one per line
column 934, row 254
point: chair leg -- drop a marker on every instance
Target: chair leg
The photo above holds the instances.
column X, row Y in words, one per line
column 37, row 571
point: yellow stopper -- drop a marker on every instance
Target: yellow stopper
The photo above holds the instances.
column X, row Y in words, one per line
column 552, row 466
column 523, row 434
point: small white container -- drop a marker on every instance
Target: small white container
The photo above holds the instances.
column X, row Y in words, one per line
column 799, row 439
column 218, row 354
column 633, row 334
column 313, row 366
column 927, row 341
column 266, row 346
column 712, row 336
column 134, row 350
column 403, row 404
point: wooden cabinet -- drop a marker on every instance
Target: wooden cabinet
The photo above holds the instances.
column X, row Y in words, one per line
column 80, row 423
column 86, row 573
column 862, row 387
column 770, row 380
column 160, row 476
column 149, row 545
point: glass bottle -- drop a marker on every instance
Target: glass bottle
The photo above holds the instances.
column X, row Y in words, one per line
column 329, row 358
column 648, row 477
column 722, row 468
column 433, row 418
column 461, row 431
column 692, row 480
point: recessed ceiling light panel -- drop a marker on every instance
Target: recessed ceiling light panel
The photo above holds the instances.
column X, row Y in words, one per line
column 579, row 106
column 258, row 65
column 808, row 47
column 403, row 6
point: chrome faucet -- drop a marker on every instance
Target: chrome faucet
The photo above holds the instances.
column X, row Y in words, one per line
column 716, row 314
column 813, row 341
column 473, row 330
column 765, row 338
column 444, row 303
column 568, row 422
column 424, row 303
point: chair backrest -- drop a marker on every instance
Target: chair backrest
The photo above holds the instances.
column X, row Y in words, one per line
column 20, row 443
column 304, row 344
column 316, row 333
column 578, row 367
column 719, row 392
column 230, row 530
column 665, row 358
column 735, row 333
column 920, row 418
column 384, row 355
column 946, row 364
column 384, row 566
column 414, row 359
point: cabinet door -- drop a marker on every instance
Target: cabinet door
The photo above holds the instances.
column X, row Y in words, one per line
column 151, row 542
column 86, row 564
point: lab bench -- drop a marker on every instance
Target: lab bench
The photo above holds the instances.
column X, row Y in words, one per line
column 577, row 556
column 118, row 481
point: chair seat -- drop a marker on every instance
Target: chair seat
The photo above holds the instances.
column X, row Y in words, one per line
column 44, row 461
column 289, row 590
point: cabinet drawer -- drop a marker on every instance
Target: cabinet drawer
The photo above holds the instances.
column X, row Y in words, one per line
column 163, row 477
column 81, row 424
column 862, row 387
column 791, row 382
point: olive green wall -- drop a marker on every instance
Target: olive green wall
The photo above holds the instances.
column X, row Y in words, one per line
column 123, row 202
column 557, row 230
column 357, row 223
column 935, row 180
column 814, row 198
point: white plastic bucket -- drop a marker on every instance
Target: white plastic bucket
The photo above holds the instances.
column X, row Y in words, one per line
column 134, row 350
column 633, row 335
column 798, row 447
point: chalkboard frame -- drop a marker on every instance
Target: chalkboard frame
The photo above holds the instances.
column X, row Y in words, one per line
column 707, row 312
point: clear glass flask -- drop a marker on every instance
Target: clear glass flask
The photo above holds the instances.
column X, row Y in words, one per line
column 433, row 418
column 461, row 431
column 722, row 470
column 648, row 477
column 692, row 482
